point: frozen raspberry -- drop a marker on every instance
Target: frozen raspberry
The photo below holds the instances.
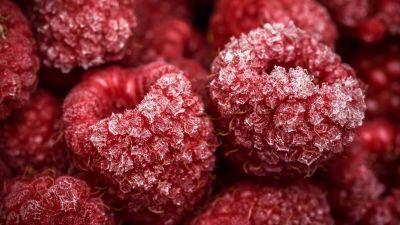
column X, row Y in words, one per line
column 361, row 183
column 168, row 40
column 45, row 200
column 147, row 137
column 18, row 60
column 32, row 136
column 286, row 102
column 234, row 17
column 246, row 203
column 368, row 20
column 151, row 12
column 75, row 33
column 379, row 67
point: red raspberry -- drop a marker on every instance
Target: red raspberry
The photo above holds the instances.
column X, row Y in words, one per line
column 4, row 171
column 151, row 12
column 45, row 200
column 18, row 60
column 246, row 203
column 286, row 102
column 234, row 17
column 32, row 136
column 379, row 67
column 148, row 137
column 168, row 40
column 75, row 33
column 377, row 136
column 368, row 20
column 363, row 181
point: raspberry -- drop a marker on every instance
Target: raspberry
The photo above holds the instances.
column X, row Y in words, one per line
column 168, row 40
column 247, row 203
column 147, row 137
column 362, row 182
column 379, row 67
column 286, row 102
column 377, row 135
column 46, row 200
column 18, row 60
column 367, row 20
column 32, row 136
column 75, row 33
column 234, row 17
column 151, row 12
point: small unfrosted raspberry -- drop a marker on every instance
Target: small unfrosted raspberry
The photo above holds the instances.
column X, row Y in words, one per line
column 32, row 136
column 150, row 13
column 75, row 33
column 379, row 67
column 378, row 136
column 45, row 200
column 146, row 134
column 235, row 17
column 18, row 60
column 367, row 20
column 167, row 40
column 247, row 203
column 286, row 103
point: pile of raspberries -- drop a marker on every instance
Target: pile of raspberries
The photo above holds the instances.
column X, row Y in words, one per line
column 199, row 112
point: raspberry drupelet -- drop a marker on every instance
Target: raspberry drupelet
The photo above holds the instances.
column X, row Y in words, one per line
column 366, row 20
column 235, row 17
column 146, row 134
column 18, row 59
column 286, row 103
column 45, row 200
column 31, row 138
column 75, row 33
column 248, row 203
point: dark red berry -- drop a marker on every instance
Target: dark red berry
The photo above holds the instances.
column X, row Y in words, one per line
column 368, row 20
column 75, row 33
column 246, row 204
column 32, row 136
column 286, row 102
column 167, row 40
column 45, row 200
column 377, row 136
column 18, row 60
column 146, row 134
column 235, row 17
column 379, row 67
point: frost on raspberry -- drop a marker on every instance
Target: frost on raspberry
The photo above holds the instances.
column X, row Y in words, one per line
column 235, row 17
column 18, row 60
column 146, row 134
column 248, row 203
column 45, row 200
column 75, row 33
column 286, row 103
column 32, row 137
column 367, row 20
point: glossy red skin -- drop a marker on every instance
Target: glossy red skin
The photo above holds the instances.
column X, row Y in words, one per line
column 235, row 17
column 270, row 132
column 117, row 127
column 366, row 20
column 18, row 59
column 45, row 200
column 32, row 138
column 379, row 67
column 248, row 204
column 74, row 33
